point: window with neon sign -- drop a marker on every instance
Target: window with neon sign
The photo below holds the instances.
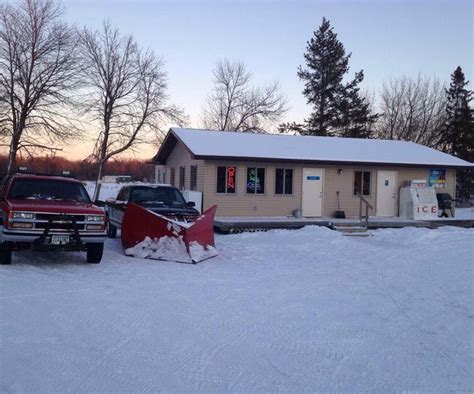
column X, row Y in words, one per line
column 226, row 176
column 255, row 180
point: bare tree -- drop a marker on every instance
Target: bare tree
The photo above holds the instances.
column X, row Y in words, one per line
column 126, row 93
column 38, row 68
column 413, row 110
column 234, row 105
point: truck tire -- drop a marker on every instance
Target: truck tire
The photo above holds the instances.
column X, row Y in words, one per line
column 111, row 231
column 5, row 253
column 94, row 253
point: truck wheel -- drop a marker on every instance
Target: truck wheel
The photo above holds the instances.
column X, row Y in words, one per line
column 94, row 253
column 111, row 231
column 5, row 253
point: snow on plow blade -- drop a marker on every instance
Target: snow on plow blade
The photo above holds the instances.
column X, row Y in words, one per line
column 146, row 234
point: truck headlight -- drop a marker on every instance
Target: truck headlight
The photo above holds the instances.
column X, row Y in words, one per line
column 95, row 218
column 23, row 215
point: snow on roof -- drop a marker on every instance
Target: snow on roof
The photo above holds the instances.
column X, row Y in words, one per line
column 218, row 144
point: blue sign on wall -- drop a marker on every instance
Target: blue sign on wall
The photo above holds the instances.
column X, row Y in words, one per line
column 312, row 178
column 437, row 178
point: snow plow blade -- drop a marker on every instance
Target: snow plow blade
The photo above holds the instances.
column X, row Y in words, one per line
column 146, row 234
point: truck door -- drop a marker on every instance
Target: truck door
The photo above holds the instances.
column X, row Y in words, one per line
column 119, row 206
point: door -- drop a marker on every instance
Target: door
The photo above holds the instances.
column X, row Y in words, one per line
column 312, row 199
column 386, row 193
column 119, row 206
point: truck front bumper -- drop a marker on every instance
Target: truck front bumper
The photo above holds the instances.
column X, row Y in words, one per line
column 37, row 241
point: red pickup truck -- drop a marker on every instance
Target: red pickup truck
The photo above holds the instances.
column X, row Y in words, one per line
column 45, row 213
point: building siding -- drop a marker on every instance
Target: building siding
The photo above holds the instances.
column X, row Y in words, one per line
column 181, row 157
column 243, row 204
column 269, row 204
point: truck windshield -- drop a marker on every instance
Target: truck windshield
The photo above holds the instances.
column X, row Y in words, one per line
column 165, row 195
column 48, row 189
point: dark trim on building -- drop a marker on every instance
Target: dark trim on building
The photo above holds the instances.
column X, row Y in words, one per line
column 325, row 162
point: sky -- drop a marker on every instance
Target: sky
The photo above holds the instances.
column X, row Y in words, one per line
column 386, row 38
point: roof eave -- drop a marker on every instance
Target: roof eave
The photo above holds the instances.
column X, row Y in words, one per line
column 165, row 148
column 332, row 162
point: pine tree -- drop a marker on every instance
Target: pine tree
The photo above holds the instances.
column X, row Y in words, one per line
column 459, row 131
column 338, row 108
column 459, row 134
column 355, row 120
column 326, row 62
column 292, row 128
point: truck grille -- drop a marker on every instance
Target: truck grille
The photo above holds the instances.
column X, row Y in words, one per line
column 59, row 226
column 47, row 216
column 59, row 222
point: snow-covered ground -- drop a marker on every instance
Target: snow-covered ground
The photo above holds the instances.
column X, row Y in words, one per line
column 294, row 311
column 464, row 213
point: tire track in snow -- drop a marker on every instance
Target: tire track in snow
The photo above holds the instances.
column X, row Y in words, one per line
column 434, row 345
column 450, row 298
column 45, row 293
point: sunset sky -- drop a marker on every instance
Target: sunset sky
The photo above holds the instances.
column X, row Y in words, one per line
column 386, row 38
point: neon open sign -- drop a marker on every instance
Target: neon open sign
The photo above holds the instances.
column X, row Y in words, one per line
column 230, row 179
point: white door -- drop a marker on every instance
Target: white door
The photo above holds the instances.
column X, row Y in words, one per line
column 312, row 200
column 386, row 193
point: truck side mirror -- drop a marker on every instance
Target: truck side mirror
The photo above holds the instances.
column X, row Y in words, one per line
column 99, row 203
column 191, row 204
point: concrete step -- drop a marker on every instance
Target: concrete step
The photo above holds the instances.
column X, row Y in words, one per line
column 361, row 235
column 350, row 229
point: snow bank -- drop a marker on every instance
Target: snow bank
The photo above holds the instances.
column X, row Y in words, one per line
column 198, row 253
column 171, row 248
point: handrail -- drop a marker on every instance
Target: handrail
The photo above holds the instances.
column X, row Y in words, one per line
column 367, row 206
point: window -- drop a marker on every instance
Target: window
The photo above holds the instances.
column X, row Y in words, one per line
column 226, row 179
column 362, row 183
column 182, row 177
column 255, row 180
column 166, row 195
column 48, row 189
column 160, row 175
column 193, row 185
column 120, row 195
column 172, row 176
column 283, row 181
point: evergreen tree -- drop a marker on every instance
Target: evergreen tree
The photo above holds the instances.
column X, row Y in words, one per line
column 355, row 120
column 459, row 134
column 291, row 128
column 338, row 108
column 326, row 63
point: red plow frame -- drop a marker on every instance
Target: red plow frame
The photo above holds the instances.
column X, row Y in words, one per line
column 149, row 235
